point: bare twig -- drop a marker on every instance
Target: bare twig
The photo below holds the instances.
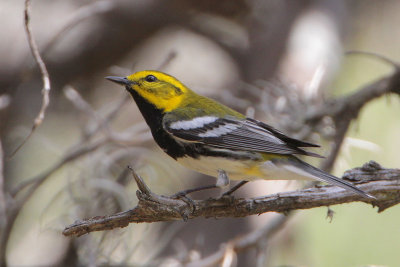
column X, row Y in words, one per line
column 45, row 77
column 77, row 100
column 139, row 181
column 154, row 208
column 8, row 213
column 33, row 184
column 76, row 152
column 3, row 205
column 83, row 13
column 81, row 148
column 344, row 110
column 3, row 210
column 97, row 123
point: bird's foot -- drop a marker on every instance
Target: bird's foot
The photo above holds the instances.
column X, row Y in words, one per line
column 228, row 195
column 234, row 188
column 183, row 193
column 190, row 204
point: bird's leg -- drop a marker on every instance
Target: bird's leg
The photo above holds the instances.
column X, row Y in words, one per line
column 223, row 179
column 182, row 195
column 192, row 190
column 233, row 189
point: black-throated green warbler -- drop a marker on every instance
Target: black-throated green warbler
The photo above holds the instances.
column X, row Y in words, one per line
column 213, row 139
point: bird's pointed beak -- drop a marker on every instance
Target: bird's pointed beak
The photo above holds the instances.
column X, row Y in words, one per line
column 119, row 80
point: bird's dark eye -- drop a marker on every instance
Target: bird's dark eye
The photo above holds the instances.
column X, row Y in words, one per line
column 150, row 78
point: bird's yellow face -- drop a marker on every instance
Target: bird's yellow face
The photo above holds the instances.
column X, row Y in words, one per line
column 163, row 91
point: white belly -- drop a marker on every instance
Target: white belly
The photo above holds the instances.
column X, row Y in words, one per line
column 244, row 170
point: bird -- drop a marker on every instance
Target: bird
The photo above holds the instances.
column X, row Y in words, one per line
column 211, row 138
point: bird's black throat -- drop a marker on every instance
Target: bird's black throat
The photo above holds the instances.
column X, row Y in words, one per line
column 153, row 117
column 175, row 149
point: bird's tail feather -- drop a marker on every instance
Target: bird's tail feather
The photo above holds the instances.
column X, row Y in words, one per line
column 328, row 178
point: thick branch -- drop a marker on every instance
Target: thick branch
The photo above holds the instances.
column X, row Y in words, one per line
column 155, row 208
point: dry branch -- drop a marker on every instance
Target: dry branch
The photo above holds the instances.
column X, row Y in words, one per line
column 80, row 15
column 156, row 208
column 3, row 205
column 45, row 76
column 344, row 110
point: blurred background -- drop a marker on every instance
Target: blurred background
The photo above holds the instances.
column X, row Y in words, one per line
column 273, row 60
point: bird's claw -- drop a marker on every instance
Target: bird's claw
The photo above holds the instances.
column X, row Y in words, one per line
column 189, row 202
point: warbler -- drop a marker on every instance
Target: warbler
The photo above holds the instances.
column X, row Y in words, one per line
column 215, row 140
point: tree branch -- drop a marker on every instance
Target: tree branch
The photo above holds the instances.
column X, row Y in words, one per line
column 45, row 77
column 156, row 208
column 344, row 110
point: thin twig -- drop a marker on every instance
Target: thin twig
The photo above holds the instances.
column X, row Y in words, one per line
column 45, row 77
column 341, row 130
column 83, row 13
column 154, row 208
column 3, row 205
column 77, row 100
column 139, row 181
column 74, row 153
column 346, row 109
column 99, row 123
column 8, row 213
column 34, row 184
column 81, row 148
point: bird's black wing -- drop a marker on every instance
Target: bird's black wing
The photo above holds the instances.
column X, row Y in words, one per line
column 236, row 134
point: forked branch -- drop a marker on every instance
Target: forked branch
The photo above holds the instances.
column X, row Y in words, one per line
column 372, row 178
